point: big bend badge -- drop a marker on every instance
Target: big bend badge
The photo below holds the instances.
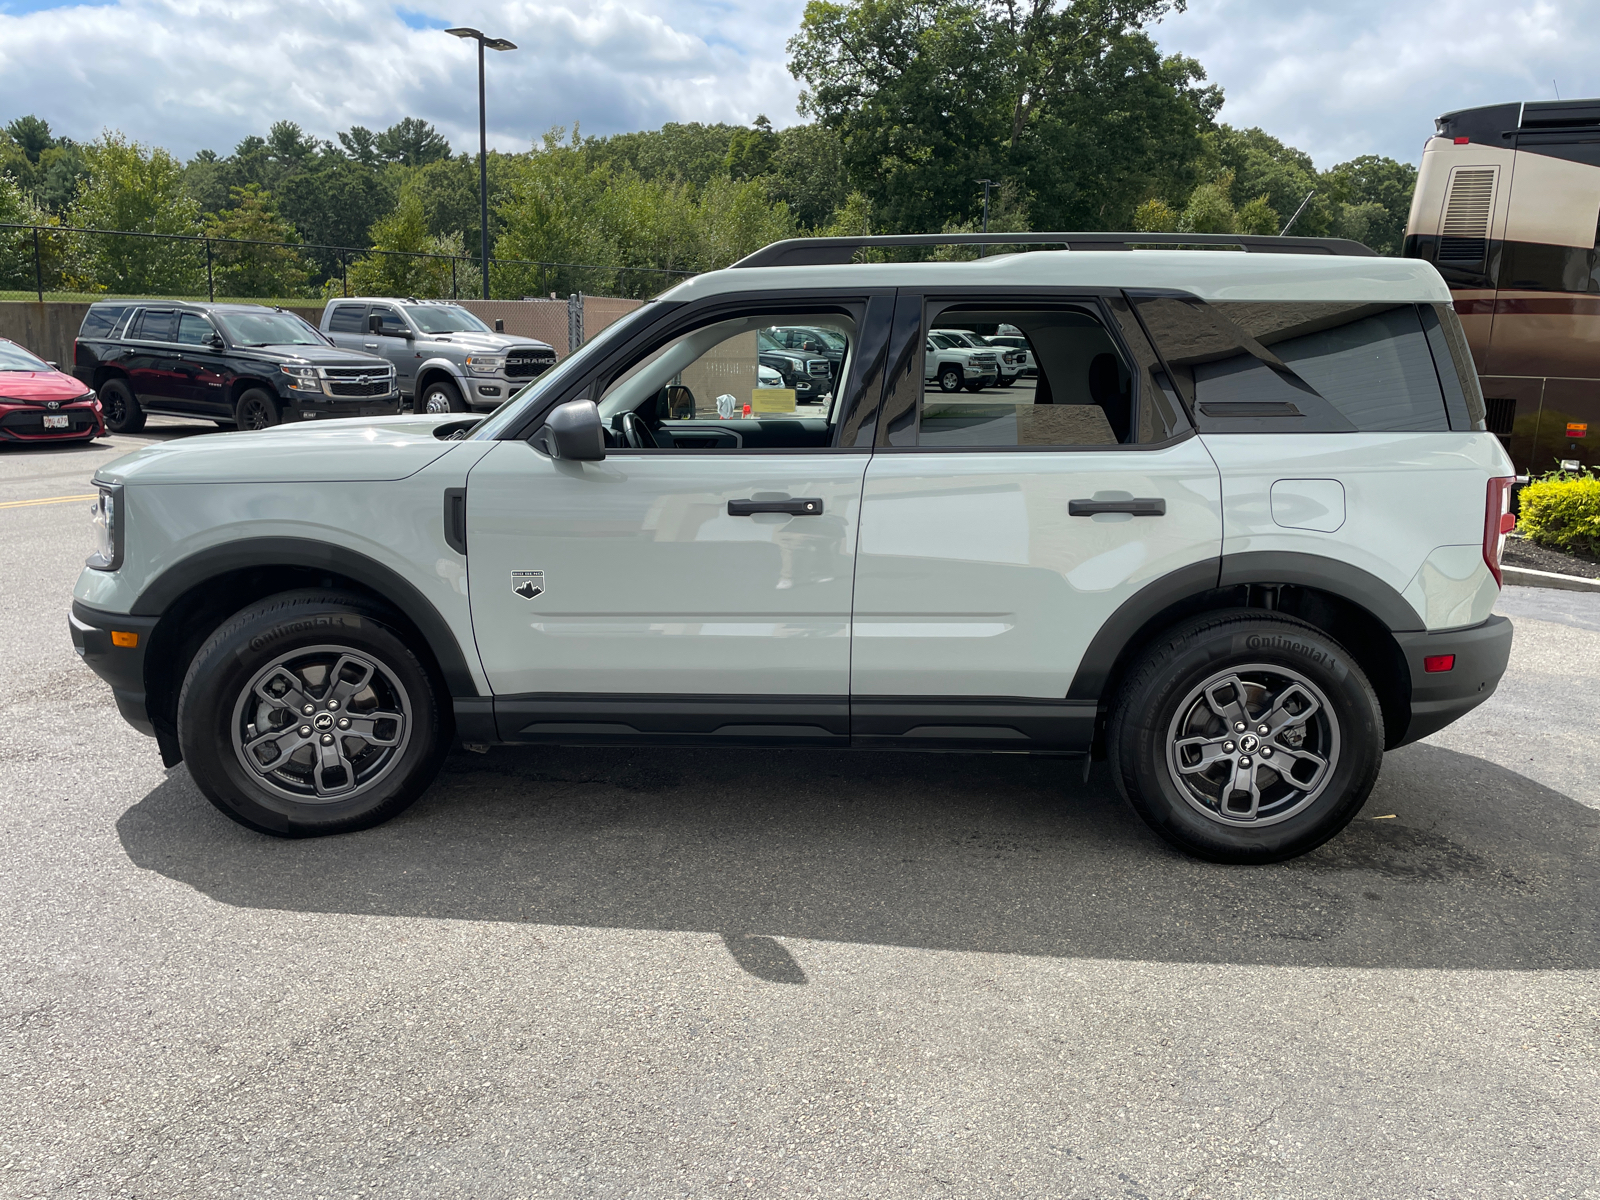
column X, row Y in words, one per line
column 527, row 584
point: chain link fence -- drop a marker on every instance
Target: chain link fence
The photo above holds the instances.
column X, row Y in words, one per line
column 59, row 262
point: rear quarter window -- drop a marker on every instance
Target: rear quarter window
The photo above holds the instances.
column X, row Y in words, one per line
column 1299, row 367
column 99, row 322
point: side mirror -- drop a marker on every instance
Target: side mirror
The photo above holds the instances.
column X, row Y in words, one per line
column 573, row 432
column 499, row 324
column 374, row 324
column 215, row 341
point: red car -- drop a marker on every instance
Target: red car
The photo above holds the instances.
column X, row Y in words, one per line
column 41, row 404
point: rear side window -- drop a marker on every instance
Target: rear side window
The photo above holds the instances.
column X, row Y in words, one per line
column 1298, row 367
column 157, row 326
column 348, row 318
column 98, row 322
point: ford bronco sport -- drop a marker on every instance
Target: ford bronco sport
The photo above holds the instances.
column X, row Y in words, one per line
column 1242, row 537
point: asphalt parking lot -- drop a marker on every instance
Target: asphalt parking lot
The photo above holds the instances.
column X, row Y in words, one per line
column 665, row 973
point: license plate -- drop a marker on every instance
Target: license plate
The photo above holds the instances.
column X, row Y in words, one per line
column 57, row 422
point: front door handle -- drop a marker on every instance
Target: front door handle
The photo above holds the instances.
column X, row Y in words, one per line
column 802, row 507
column 1137, row 508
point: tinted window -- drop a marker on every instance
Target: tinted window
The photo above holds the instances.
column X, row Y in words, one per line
column 98, row 322
column 393, row 326
column 193, row 329
column 348, row 318
column 1083, row 394
column 1308, row 367
column 157, row 326
column 267, row 328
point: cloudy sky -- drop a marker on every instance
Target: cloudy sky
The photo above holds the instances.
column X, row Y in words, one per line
column 1335, row 77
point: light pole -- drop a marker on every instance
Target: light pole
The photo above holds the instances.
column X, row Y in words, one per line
column 986, row 183
column 483, row 141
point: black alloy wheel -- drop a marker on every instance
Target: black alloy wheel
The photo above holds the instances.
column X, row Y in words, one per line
column 121, row 410
column 1245, row 737
column 308, row 714
column 949, row 379
column 440, row 396
column 256, row 410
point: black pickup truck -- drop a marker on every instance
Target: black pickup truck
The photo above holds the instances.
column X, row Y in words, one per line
column 240, row 365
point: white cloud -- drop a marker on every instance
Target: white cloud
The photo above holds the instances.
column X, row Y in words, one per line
column 1338, row 78
column 189, row 74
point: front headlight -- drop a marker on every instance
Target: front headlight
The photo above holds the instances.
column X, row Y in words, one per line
column 106, row 519
column 303, row 379
column 486, row 364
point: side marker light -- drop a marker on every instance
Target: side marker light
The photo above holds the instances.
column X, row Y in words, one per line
column 121, row 637
column 1434, row 663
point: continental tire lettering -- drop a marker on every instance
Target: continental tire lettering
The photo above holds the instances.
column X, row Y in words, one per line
column 1290, row 645
column 303, row 625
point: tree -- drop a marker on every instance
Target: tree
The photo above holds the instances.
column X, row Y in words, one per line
column 32, row 136
column 1067, row 98
column 360, row 143
column 16, row 245
column 688, row 153
column 137, row 188
column 403, row 271
column 750, row 151
column 335, row 203
column 1377, row 194
column 806, row 172
column 412, row 143
column 244, row 269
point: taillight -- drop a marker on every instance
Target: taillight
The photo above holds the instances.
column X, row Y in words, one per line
column 1498, row 520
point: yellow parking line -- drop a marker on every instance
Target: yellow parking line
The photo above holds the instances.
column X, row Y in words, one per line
column 51, row 500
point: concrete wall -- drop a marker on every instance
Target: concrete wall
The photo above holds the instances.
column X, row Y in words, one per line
column 49, row 329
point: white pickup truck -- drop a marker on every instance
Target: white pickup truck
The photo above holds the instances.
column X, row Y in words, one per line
column 955, row 366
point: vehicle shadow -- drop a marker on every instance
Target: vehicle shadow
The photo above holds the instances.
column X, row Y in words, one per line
column 1479, row 868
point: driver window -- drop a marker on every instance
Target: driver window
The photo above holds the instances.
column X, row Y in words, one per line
column 193, row 329
column 392, row 325
column 758, row 381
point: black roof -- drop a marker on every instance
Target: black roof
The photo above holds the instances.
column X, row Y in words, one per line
column 1494, row 124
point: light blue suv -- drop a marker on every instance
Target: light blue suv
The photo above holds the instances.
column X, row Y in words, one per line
column 1239, row 535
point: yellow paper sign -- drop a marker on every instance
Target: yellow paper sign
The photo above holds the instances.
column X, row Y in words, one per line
column 766, row 401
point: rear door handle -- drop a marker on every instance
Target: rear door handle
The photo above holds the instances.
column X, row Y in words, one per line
column 805, row 506
column 1139, row 508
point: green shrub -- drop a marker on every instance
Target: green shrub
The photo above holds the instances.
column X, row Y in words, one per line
column 1563, row 512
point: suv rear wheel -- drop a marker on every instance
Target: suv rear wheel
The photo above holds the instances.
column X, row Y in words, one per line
column 1246, row 737
column 306, row 714
column 121, row 410
column 440, row 396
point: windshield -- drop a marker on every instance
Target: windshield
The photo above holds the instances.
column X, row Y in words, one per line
column 268, row 329
column 14, row 358
column 444, row 318
column 511, row 413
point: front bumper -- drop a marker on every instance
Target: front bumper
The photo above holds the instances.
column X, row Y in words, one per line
column 1438, row 698
column 25, row 422
column 120, row 666
column 309, row 406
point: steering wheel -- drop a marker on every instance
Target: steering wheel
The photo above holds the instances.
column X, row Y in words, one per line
column 636, row 433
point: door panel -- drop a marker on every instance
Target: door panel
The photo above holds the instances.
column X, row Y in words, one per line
column 650, row 586
column 974, row 581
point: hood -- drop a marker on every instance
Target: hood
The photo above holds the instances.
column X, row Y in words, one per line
column 322, row 356
column 37, row 387
column 486, row 342
column 351, row 448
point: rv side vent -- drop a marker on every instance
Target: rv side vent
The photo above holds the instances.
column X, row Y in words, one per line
column 1464, row 234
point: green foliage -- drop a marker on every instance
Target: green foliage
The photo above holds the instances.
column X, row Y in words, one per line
column 32, row 136
column 1210, row 208
column 750, row 151
column 1155, row 216
column 1071, row 101
column 1562, row 512
column 1375, row 194
column 275, row 272
column 411, row 142
column 405, row 232
column 136, row 187
column 686, row 153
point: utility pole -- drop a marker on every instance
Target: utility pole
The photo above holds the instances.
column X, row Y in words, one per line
column 483, row 140
column 986, row 183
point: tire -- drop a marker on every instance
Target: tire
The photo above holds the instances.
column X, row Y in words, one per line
column 119, row 407
column 325, row 647
column 950, row 379
column 440, row 396
column 256, row 410
column 1171, row 716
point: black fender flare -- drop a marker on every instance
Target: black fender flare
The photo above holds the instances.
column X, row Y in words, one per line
column 1189, row 584
column 210, row 563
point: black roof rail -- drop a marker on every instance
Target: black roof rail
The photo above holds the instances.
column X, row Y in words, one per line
column 836, row 251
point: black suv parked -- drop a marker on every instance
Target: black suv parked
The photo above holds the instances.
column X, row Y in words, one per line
column 241, row 365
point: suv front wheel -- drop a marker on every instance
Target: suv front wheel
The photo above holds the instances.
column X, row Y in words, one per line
column 950, row 379
column 1246, row 737
column 307, row 714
